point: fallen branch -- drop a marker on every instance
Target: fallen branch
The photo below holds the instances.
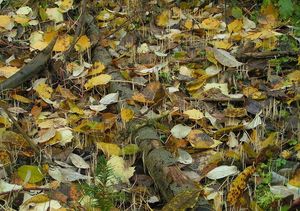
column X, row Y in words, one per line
column 30, row 69
column 265, row 55
column 223, row 99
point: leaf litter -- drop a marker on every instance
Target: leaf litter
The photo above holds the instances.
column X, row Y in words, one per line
column 199, row 96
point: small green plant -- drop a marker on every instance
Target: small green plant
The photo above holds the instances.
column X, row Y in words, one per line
column 279, row 61
column 165, row 76
column 102, row 192
column 279, row 163
column 263, row 196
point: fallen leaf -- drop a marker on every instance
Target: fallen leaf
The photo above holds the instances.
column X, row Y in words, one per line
column 221, row 172
column 210, row 24
column 183, row 201
column 162, row 19
column 109, row 148
column 55, row 15
column 8, row 71
column 6, row 22
column 78, row 161
column 194, row 114
column 180, row 131
column 83, row 44
column 238, row 185
column 120, row 168
column 110, row 99
column 6, row 187
column 97, row 80
column 31, row 174
column 226, row 58
column 127, row 114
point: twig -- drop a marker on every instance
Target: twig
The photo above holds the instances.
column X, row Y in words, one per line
column 25, row 189
column 78, row 30
column 223, row 99
column 129, row 20
column 131, row 82
column 270, row 54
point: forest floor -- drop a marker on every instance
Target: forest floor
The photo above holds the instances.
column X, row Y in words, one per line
column 149, row 105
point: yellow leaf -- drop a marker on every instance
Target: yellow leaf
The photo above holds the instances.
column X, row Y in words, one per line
column 37, row 40
column 98, row 80
column 87, row 126
column 120, row 168
column 294, row 76
column 235, row 26
column 97, row 68
column 223, row 44
column 163, row 19
column 126, row 114
column 188, row 24
column 8, row 71
column 210, row 56
column 21, row 19
column 62, row 43
column 210, row 24
column 105, row 15
column 109, row 149
column 197, row 84
column 269, row 44
column 194, row 114
column 21, row 98
column 83, row 43
column 4, row 121
column 44, row 90
column 239, row 184
column 65, row 5
column 6, row 22
column 270, row 141
column 74, row 108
